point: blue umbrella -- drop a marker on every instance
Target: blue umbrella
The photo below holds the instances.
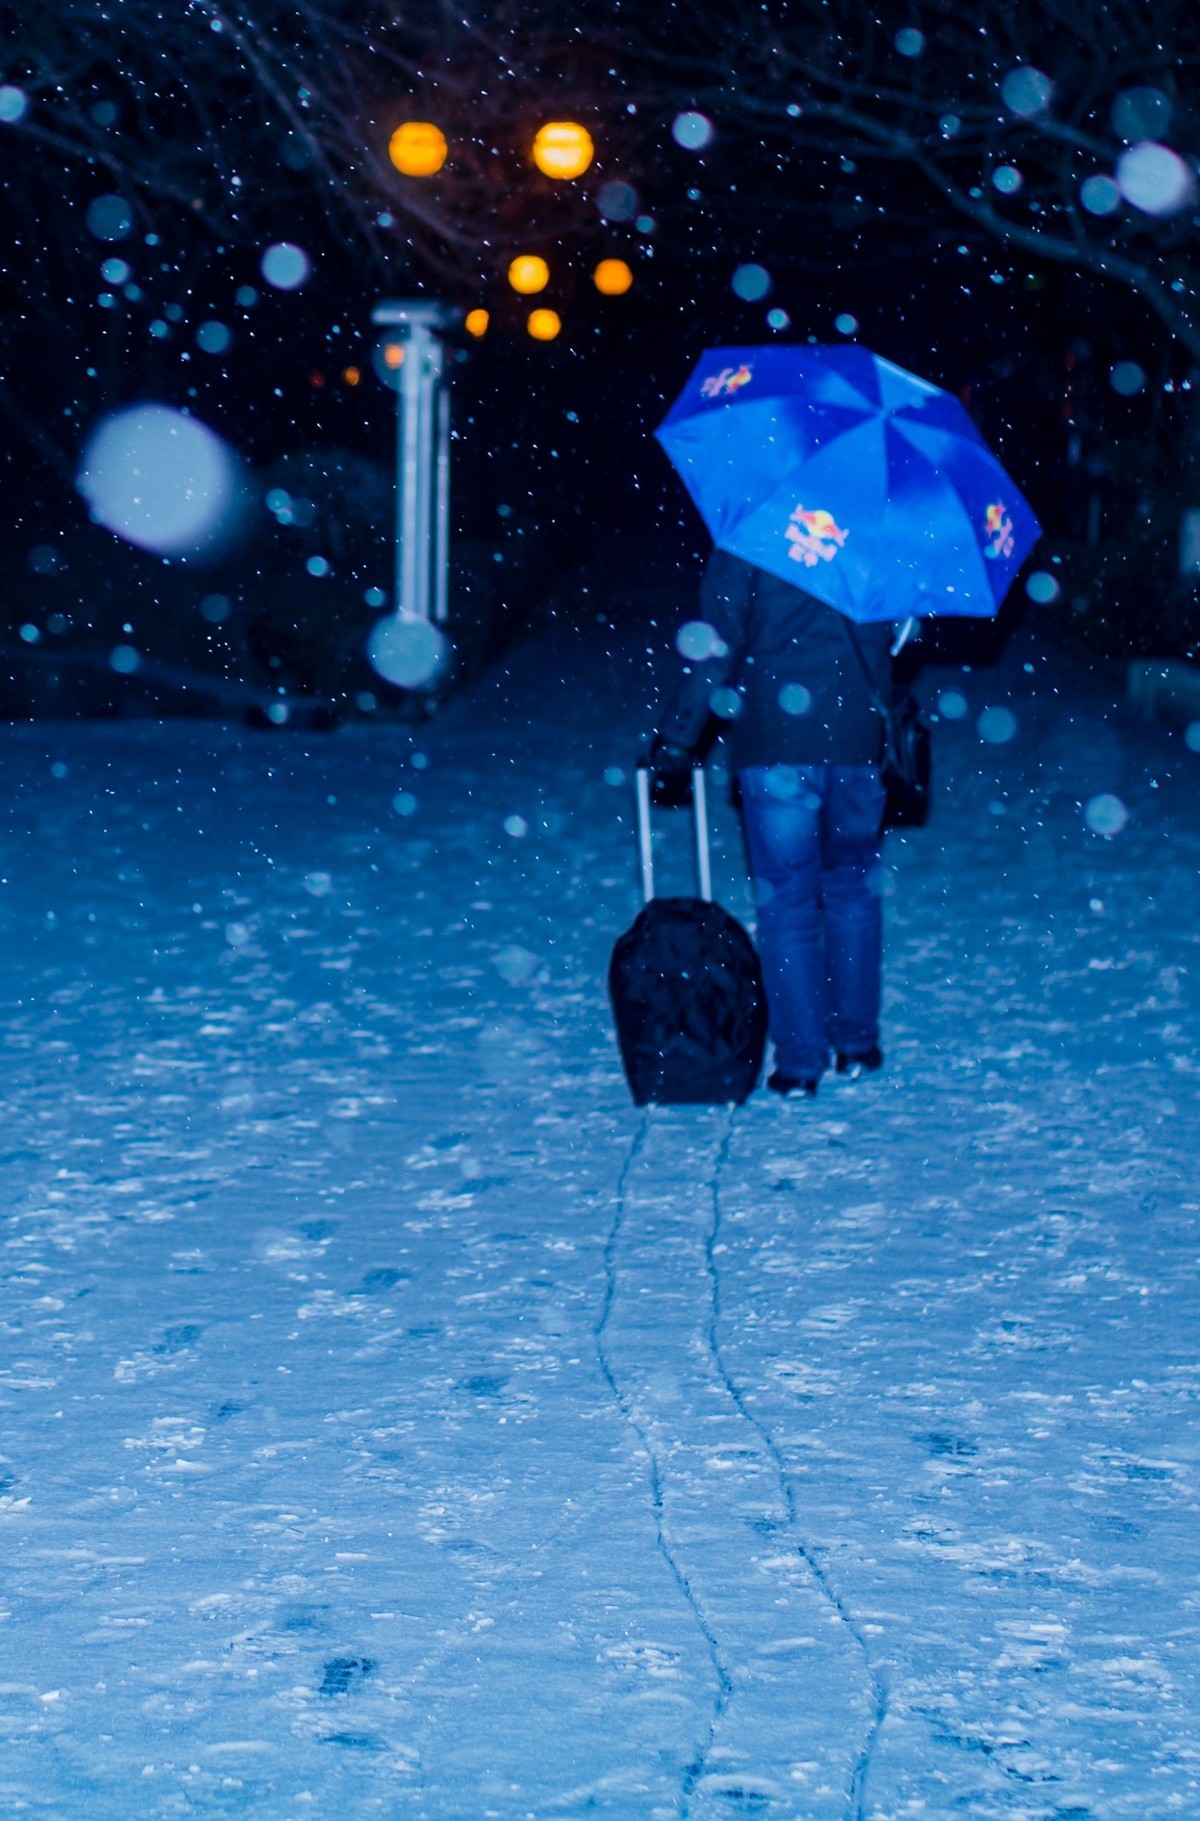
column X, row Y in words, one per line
column 842, row 473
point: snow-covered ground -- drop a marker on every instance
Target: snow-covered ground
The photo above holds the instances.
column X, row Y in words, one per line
column 397, row 1422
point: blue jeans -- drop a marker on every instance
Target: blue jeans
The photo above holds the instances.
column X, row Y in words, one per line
column 813, row 835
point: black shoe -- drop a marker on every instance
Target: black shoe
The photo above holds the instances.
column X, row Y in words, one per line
column 791, row 1084
column 854, row 1066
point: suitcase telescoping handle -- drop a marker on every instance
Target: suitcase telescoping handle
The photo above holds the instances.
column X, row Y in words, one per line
column 700, row 818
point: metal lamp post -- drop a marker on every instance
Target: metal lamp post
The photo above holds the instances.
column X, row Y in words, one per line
column 422, row 455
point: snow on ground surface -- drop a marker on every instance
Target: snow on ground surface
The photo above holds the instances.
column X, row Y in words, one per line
column 397, row 1422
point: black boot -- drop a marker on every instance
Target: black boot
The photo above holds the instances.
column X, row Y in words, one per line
column 791, row 1084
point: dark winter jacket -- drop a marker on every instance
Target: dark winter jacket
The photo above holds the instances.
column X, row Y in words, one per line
column 783, row 677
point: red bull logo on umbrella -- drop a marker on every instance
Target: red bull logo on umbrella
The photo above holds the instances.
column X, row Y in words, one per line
column 727, row 382
column 998, row 532
column 814, row 536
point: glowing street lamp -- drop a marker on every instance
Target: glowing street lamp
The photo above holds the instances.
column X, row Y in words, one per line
column 563, row 148
column 476, row 323
column 528, row 273
column 612, row 277
column 544, row 325
column 417, row 148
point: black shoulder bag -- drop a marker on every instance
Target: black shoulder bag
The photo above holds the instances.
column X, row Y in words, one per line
column 904, row 766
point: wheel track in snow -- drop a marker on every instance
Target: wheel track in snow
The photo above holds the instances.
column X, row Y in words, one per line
column 724, row 1679
column 804, row 1551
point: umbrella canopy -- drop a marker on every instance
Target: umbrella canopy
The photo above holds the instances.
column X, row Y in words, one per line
column 848, row 476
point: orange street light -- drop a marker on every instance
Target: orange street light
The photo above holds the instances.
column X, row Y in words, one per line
column 612, row 277
column 563, row 148
column 544, row 325
column 418, row 148
column 528, row 273
column 476, row 322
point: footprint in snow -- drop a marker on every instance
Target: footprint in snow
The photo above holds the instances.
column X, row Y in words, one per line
column 483, row 1384
column 383, row 1277
column 344, row 1673
column 175, row 1339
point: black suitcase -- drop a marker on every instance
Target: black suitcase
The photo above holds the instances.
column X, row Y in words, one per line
column 686, row 987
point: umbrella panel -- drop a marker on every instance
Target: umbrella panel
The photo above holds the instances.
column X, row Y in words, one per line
column 730, row 459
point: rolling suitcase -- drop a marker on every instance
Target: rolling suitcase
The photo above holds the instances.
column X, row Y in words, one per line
column 686, row 987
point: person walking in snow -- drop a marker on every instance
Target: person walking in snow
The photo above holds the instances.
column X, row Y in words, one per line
column 804, row 728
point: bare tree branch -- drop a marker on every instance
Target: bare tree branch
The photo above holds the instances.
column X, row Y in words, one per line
column 811, row 78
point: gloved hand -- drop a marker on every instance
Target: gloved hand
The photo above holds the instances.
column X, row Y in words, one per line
column 670, row 769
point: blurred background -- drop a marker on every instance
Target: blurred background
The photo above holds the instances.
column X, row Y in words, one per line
column 204, row 208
